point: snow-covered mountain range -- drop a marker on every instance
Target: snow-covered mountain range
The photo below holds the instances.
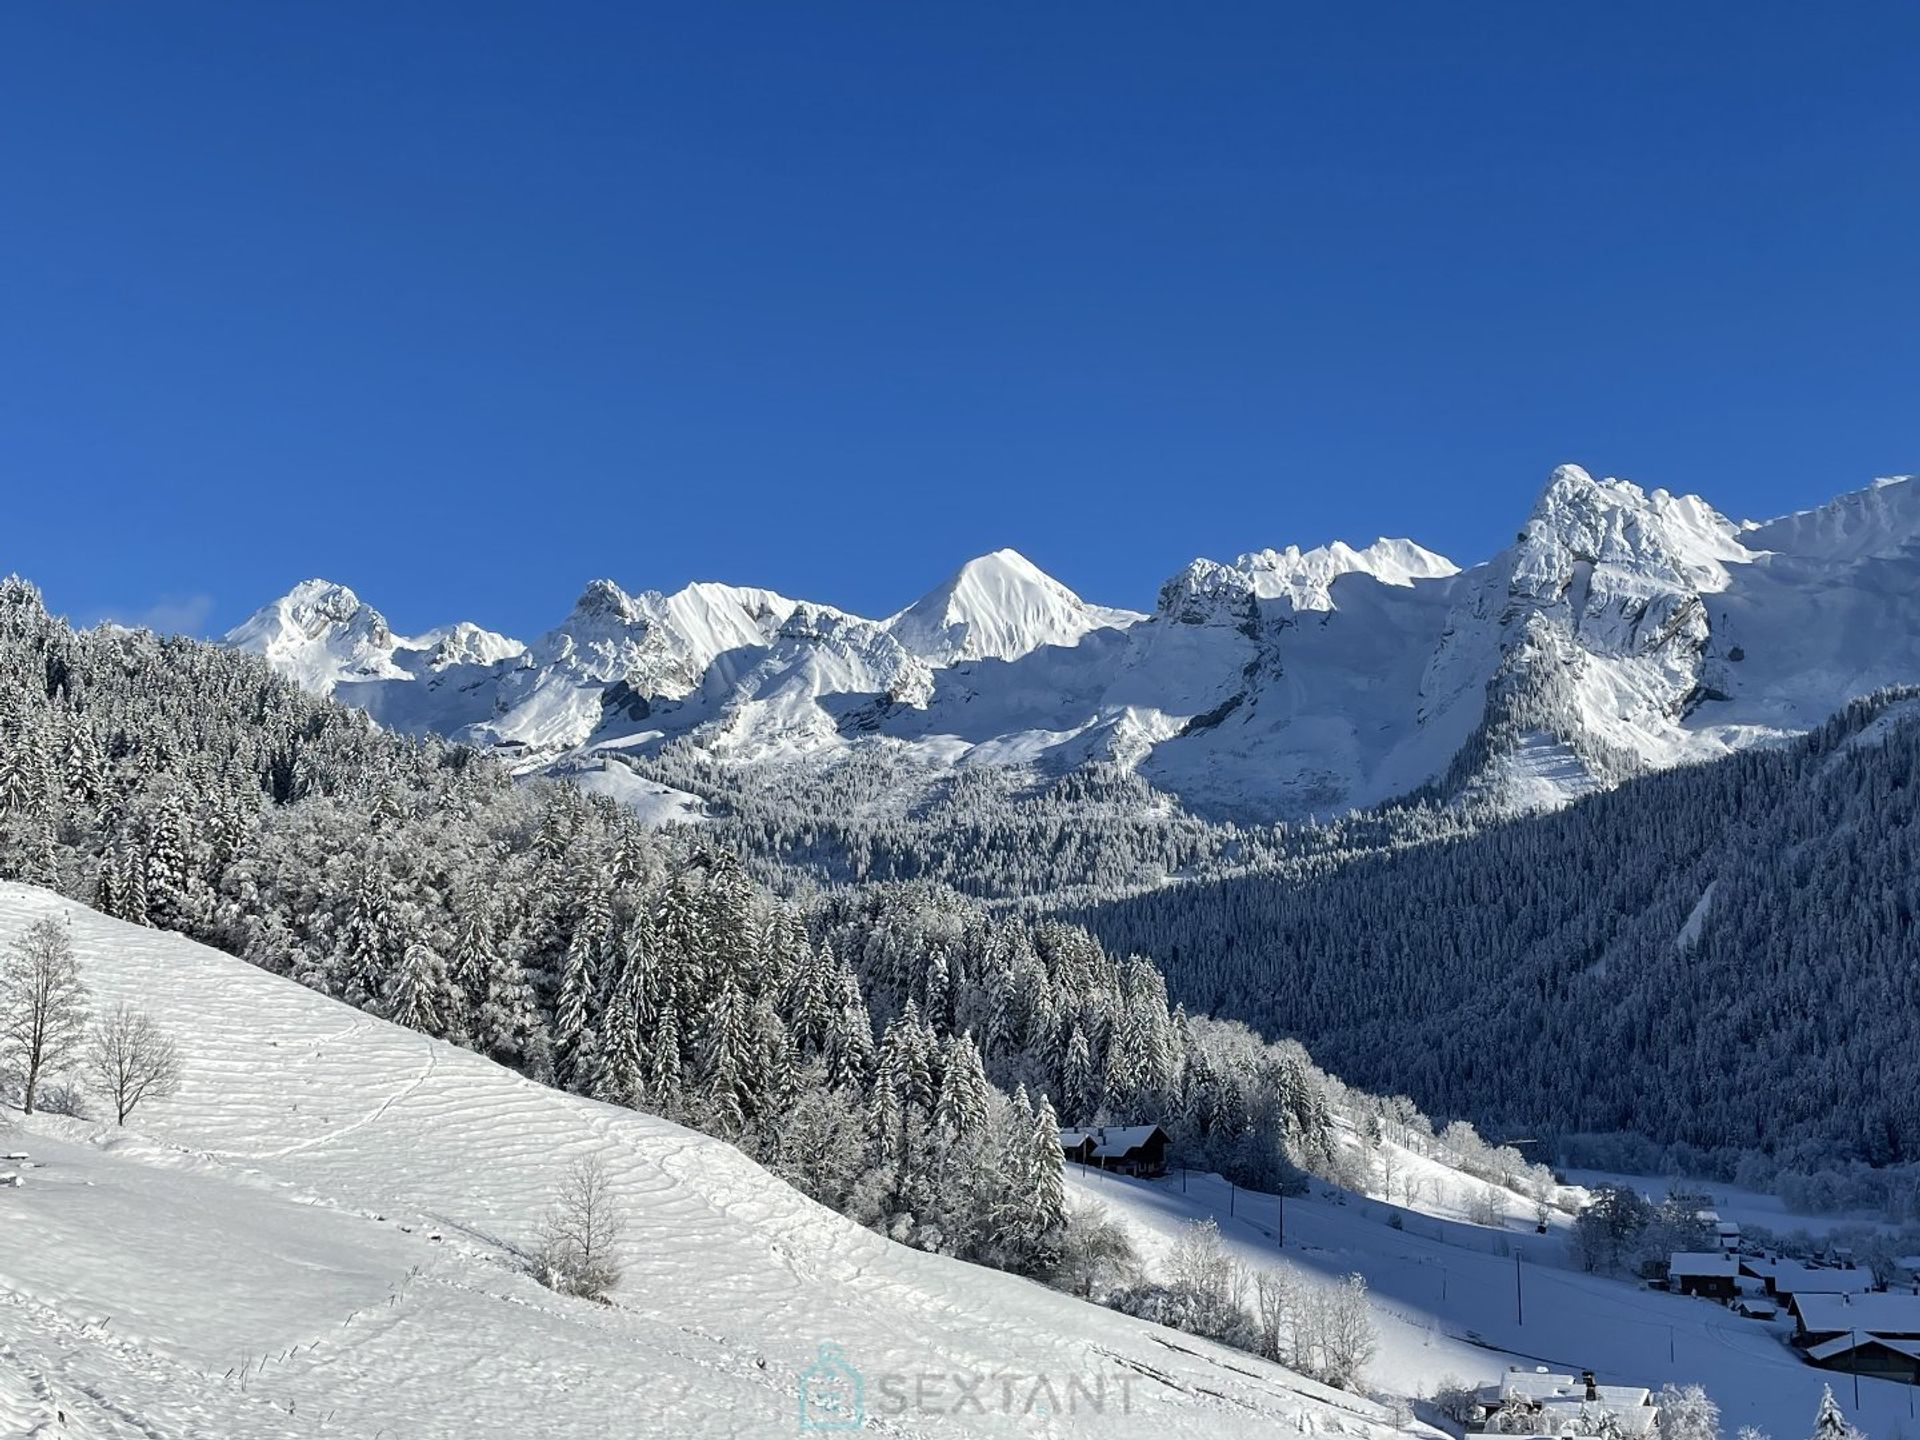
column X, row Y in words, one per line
column 1623, row 631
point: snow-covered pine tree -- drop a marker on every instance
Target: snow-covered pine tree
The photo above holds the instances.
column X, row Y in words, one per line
column 416, row 995
column 1830, row 1422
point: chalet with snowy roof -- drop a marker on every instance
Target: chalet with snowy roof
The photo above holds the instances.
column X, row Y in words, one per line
column 1124, row 1149
column 1827, row 1317
column 1541, row 1402
column 1788, row 1278
column 1708, row 1273
column 1881, row 1357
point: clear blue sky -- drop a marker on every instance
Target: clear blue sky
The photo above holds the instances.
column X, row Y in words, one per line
column 466, row 303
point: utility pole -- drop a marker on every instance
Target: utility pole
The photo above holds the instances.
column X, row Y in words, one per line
column 1233, row 1195
column 1280, row 1208
column 1853, row 1363
column 1519, row 1298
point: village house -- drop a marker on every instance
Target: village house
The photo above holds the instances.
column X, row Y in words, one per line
column 1879, row 1357
column 1713, row 1275
column 1822, row 1317
column 1789, row 1278
column 1124, row 1149
column 1725, row 1232
column 1873, row 1334
column 1545, row 1403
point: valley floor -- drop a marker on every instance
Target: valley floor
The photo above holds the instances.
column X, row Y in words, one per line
column 1451, row 1301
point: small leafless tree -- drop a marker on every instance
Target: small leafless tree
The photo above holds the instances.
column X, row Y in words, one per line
column 1484, row 1207
column 130, row 1058
column 1272, row 1312
column 1096, row 1254
column 1333, row 1333
column 580, row 1235
column 43, row 1004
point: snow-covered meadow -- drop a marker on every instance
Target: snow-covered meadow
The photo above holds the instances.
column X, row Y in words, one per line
column 321, row 1234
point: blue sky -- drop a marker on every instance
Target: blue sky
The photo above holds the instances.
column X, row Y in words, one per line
column 464, row 304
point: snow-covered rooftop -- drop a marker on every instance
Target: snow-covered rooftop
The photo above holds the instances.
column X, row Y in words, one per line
column 1792, row 1278
column 1884, row 1314
column 1705, row 1264
column 1110, row 1142
column 1854, row 1339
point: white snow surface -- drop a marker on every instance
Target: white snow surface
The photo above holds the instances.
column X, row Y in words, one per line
column 998, row 607
column 1288, row 683
column 1305, row 577
column 318, row 1236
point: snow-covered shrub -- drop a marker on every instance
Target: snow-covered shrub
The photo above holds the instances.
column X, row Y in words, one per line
column 1096, row 1256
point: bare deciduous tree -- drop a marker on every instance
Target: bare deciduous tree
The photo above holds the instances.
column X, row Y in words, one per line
column 1272, row 1311
column 580, row 1234
column 1333, row 1333
column 1096, row 1254
column 131, row 1058
column 43, row 1003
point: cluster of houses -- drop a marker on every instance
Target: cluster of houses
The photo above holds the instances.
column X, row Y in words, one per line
column 1541, row 1402
column 1843, row 1320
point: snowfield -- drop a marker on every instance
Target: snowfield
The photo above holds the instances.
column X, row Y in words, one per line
column 320, row 1236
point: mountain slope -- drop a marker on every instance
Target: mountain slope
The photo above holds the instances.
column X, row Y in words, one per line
column 259, row 1257
column 1719, row 956
column 1624, row 631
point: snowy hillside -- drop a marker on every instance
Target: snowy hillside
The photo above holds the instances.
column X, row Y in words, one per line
column 1443, row 1295
column 318, row 1236
column 1624, row 631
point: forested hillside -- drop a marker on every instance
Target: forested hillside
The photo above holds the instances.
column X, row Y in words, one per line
column 1724, row 956
column 898, row 1052
column 1021, row 836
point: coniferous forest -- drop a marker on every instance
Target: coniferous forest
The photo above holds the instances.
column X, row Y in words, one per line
column 1720, row 959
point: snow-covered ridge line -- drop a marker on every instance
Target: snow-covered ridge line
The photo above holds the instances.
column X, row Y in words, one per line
column 1623, row 631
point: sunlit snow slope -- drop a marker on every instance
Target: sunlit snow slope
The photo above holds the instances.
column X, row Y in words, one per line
column 257, row 1258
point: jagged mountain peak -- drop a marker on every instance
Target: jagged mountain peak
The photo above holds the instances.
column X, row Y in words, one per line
column 1659, row 538
column 466, row 643
column 318, row 634
column 605, row 600
column 316, row 603
column 323, row 635
column 1306, row 577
